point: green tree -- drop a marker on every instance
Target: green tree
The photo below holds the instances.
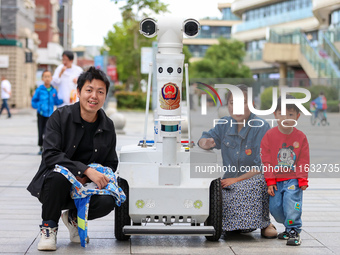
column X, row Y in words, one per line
column 223, row 60
column 187, row 54
column 125, row 41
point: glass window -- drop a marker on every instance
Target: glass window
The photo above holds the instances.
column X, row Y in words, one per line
column 293, row 5
column 228, row 13
column 252, row 15
column 273, row 9
column 261, row 11
column 300, row 4
column 280, row 7
column 289, row 5
column 335, row 17
column 248, row 46
column 285, row 6
column 266, row 11
column 261, row 44
column 256, row 14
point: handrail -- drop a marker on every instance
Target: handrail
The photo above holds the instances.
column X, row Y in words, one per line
column 331, row 50
column 325, row 68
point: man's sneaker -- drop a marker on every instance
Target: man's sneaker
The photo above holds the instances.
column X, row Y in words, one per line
column 294, row 238
column 48, row 238
column 284, row 235
column 269, row 232
column 72, row 226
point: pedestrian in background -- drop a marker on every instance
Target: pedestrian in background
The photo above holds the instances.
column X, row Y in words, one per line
column 65, row 79
column 44, row 99
column 6, row 89
column 320, row 104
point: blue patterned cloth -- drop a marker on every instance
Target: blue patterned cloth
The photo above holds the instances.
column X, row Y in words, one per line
column 82, row 194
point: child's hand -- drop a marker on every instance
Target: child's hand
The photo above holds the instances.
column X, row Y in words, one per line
column 303, row 187
column 271, row 190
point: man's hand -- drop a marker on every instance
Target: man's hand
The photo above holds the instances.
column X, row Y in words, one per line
column 207, row 143
column 304, row 187
column 227, row 182
column 62, row 71
column 82, row 180
column 271, row 190
column 98, row 178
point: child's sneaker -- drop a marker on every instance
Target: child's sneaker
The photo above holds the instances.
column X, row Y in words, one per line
column 284, row 235
column 48, row 238
column 72, row 226
column 294, row 238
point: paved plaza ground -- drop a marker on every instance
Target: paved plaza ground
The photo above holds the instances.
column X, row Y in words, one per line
column 20, row 212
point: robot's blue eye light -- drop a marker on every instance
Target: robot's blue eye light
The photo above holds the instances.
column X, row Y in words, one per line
column 179, row 70
column 170, row 69
column 160, row 70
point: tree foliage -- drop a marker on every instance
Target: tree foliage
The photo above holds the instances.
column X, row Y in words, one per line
column 187, row 54
column 223, row 60
column 133, row 8
column 125, row 41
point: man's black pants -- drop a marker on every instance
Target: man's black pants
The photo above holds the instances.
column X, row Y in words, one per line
column 56, row 197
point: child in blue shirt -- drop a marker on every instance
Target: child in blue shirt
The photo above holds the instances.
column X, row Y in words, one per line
column 44, row 99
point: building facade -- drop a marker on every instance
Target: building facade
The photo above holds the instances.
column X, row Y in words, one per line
column 65, row 24
column 46, row 26
column 291, row 38
column 18, row 49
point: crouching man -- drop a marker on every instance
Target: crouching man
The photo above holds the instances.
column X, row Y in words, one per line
column 76, row 135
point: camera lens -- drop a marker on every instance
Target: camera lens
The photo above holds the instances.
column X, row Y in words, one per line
column 149, row 27
column 179, row 70
column 170, row 70
column 160, row 70
column 191, row 28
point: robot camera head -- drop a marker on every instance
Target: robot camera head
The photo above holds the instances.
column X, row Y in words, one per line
column 148, row 27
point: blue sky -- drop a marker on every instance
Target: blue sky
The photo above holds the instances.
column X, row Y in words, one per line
column 93, row 19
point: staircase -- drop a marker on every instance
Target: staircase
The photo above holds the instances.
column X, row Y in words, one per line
column 317, row 62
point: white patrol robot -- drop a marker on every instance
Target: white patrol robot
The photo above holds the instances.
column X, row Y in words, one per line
column 162, row 199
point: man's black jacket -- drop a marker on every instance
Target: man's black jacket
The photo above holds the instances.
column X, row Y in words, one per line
column 63, row 134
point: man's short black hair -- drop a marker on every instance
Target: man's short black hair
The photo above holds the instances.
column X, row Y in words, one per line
column 69, row 54
column 288, row 106
column 89, row 75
